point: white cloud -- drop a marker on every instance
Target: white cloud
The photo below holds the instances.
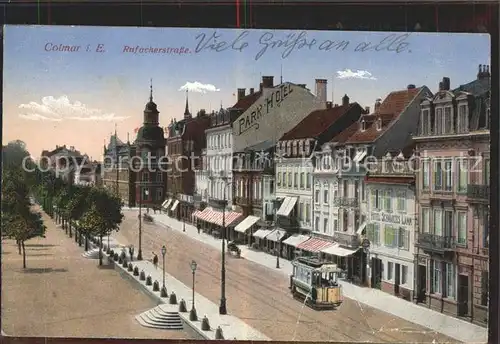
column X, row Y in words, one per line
column 61, row 109
column 359, row 74
column 198, row 87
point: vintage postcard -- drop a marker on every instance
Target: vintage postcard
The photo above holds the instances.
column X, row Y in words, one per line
column 245, row 184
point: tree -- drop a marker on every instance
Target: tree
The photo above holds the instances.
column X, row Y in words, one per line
column 104, row 215
column 77, row 206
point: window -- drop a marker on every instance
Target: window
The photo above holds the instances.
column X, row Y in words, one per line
column 486, row 171
column 145, row 194
column 425, row 128
column 316, row 224
column 438, row 125
column 438, row 174
column 289, row 179
column 373, row 233
column 363, row 191
column 387, row 201
column 302, row 181
column 438, row 222
column 294, row 148
column 462, row 228
column 308, row 214
column 425, row 220
column 325, row 196
column 344, row 188
column 159, row 194
column 462, row 119
column 316, row 196
column 484, row 287
column 159, row 177
column 284, row 179
column 379, row 124
column 448, row 120
column 463, row 175
column 363, row 125
column 335, row 225
column 401, row 201
column 271, row 187
column 390, row 236
column 301, row 211
column 308, row 180
column 145, row 176
column 279, row 179
column 404, row 274
column 436, row 277
column 288, row 149
column 389, row 270
column 448, row 176
column 375, row 199
column 295, row 180
column 403, row 239
column 325, row 225
column 448, row 223
column 425, row 175
column 450, row 280
column 486, row 229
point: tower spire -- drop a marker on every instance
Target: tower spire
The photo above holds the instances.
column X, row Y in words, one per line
column 187, row 114
column 151, row 90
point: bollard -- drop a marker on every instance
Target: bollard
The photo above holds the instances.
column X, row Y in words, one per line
column 149, row 281
column 173, row 299
column 125, row 263
column 192, row 315
column 142, row 277
column 130, row 267
column 163, row 292
column 136, row 271
column 219, row 334
column 115, row 257
column 182, row 306
column 108, row 251
column 156, row 286
column 205, row 325
column 120, row 261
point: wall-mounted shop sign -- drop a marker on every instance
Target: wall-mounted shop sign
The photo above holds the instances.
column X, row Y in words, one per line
column 275, row 99
column 392, row 218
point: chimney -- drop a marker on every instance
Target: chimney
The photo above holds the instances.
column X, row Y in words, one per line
column 329, row 105
column 345, row 100
column 252, row 90
column 484, row 72
column 441, row 85
column 72, row 148
column 321, row 90
column 480, row 73
column 411, row 86
column 377, row 104
column 367, row 109
column 446, row 84
column 260, row 87
column 267, row 81
column 241, row 93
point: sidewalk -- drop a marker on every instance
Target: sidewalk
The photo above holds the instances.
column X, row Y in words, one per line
column 449, row 326
column 232, row 327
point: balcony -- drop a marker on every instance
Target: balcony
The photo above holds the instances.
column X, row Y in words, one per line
column 242, row 201
column 436, row 243
column 478, row 193
column 346, row 202
column 288, row 223
column 350, row 240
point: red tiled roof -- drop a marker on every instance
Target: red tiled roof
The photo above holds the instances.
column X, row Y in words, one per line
column 244, row 103
column 346, row 134
column 389, row 110
column 316, row 122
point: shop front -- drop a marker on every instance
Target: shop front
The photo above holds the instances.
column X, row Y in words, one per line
column 244, row 230
column 174, row 210
column 313, row 247
column 274, row 239
column 166, row 204
column 290, row 245
column 347, row 259
column 213, row 222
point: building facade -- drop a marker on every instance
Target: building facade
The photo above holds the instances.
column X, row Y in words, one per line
column 453, row 199
column 391, row 217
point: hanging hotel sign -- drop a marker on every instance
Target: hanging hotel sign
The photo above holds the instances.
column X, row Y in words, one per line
column 392, row 218
column 275, row 99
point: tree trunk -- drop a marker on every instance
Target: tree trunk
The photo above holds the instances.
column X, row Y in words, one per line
column 19, row 246
column 76, row 235
column 100, row 250
column 24, row 255
column 80, row 238
column 69, row 227
column 86, row 242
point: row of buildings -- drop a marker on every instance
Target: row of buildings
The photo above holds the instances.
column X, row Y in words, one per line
column 397, row 195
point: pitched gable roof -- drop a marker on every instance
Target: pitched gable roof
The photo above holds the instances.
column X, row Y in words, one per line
column 389, row 110
column 346, row 133
column 244, row 103
column 316, row 122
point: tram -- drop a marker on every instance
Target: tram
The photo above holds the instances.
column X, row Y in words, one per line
column 316, row 283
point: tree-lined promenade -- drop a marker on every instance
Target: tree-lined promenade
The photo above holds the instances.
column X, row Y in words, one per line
column 83, row 211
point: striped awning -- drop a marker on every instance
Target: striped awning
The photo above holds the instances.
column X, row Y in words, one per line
column 261, row 233
column 166, row 203
column 314, row 245
column 216, row 217
column 296, row 240
column 176, row 203
column 244, row 225
column 196, row 213
column 276, row 235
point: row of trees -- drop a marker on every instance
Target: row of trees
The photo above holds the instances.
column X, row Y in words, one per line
column 82, row 211
column 20, row 221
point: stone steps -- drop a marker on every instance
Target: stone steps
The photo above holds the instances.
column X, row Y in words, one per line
column 91, row 254
column 160, row 318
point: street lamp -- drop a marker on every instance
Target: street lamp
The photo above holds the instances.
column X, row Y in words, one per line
column 163, row 289
column 278, row 250
column 192, row 314
column 139, row 253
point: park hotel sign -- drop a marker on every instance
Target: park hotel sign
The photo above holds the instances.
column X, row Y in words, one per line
column 392, row 218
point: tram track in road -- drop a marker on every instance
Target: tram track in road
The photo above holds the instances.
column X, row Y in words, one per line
column 252, row 283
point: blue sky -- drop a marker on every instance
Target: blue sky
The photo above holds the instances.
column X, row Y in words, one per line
column 117, row 83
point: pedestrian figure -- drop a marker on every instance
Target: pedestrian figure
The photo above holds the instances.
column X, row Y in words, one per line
column 155, row 260
column 198, row 229
column 131, row 252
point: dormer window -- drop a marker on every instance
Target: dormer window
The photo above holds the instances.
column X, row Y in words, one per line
column 379, row 124
column 463, row 119
column 294, row 148
column 307, row 149
column 363, row 125
column 288, row 148
column 425, row 127
column 301, row 147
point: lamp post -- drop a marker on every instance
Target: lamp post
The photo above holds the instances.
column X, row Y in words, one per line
column 139, row 253
column 278, row 250
column 192, row 314
column 163, row 289
column 222, row 306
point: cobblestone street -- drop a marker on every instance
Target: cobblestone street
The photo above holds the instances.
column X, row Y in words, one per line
column 260, row 296
column 63, row 294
